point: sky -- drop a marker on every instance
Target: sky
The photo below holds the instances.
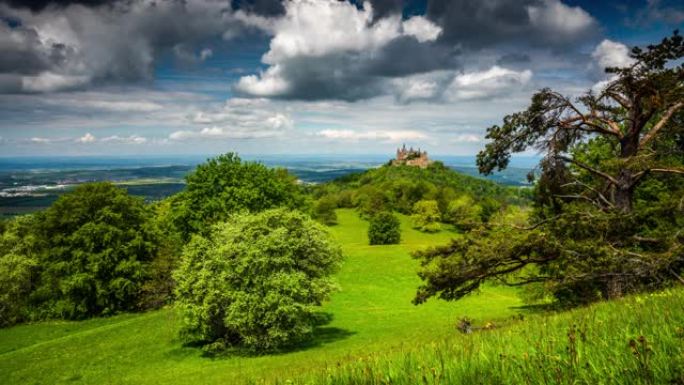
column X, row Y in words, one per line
column 164, row 77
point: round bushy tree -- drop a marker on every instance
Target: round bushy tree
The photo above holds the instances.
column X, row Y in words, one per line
column 384, row 229
column 256, row 281
column 464, row 213
column 426, row 216
column 226, row 185
column 98, row 241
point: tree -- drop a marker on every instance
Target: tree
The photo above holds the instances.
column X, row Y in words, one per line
column 464, row 213
column 324, row 210
column 608, row 202
column 384, row 229
column 256, row 281
column 18, row 267
column 96, row 244
column 226, row 185
column 638, row 114
column 426, row 216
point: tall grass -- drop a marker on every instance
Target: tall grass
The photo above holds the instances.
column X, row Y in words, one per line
column 637, row 340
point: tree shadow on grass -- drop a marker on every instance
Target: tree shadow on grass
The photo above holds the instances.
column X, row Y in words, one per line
column 322, row 335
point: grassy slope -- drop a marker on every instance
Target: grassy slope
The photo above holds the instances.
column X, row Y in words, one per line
column 636, row 340
column 372, row 313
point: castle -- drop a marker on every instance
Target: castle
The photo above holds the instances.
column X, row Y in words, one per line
column 411, row 157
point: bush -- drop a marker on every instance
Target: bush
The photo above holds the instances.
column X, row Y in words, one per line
column 464, row 213
column 426, row 216
column 324, row 210
column 256, row 281
column 97, row 243
column 384, row 229
column 225, row 185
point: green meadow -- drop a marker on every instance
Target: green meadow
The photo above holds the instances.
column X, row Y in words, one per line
column 370, row 314
column 376, row 336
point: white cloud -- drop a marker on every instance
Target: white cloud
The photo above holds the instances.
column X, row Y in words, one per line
column 49, row 82
column 239, row 118
column 609, row 53
column 132, row 139
column 489, row 83
column 451, row 86
column 380, row 135
column 319, row 29
column 467, row 138
column 40, row 140
column 421, row 28
column 87, row 138
column 559, row 20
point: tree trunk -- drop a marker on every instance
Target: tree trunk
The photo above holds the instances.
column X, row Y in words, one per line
column 624, row 191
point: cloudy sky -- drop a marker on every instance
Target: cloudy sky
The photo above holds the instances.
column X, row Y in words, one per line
column 144, row 77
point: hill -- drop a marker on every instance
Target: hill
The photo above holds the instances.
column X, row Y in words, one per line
column 371, row 313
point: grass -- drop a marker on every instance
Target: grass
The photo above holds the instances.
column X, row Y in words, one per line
column 637, row 340
column 372, row 314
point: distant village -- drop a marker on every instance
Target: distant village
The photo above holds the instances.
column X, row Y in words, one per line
column 411, row 157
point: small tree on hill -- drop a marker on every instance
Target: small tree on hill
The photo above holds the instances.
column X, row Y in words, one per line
column 324, row 210
column 464, row 213
column 256, row 281
column 384, row 229
column 426, row 216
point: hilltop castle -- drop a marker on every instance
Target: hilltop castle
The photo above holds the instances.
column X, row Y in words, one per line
column 411, row 157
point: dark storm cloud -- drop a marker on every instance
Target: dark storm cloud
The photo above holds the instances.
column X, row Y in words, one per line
column 38, row 5
column 73, row 46
column 477, row 24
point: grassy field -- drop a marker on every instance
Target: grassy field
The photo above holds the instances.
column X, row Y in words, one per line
column 637, row 340
column 372, row 314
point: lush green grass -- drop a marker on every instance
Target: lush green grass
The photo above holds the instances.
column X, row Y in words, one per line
column 371, row 314
column 637, row 340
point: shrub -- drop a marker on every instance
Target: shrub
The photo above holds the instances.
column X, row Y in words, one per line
column 384, row 229
column 256, row 281
column 426, row 216
column 324, row 210
column 464, row 213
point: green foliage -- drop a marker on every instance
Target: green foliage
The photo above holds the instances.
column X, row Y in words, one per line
column 256, row 281
column 464, row 213
column 226, row 185
column 426, row 216
column 398, row 188
column 608, row 202
column 96, row 242
column 324, row 210
column 384, row 229
column 18, row 266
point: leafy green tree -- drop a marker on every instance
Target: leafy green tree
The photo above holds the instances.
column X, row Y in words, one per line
column 226, row 185
column 18, row 268
column 97, row 244
column 324, row 210
column 384, row 229
column 464, row 213
column 608, row 209
column 256, row 281
column 426, row 216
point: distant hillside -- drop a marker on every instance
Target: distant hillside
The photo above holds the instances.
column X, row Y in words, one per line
column 398, row 188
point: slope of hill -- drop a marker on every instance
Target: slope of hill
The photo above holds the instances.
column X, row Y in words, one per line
column 371, row 313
